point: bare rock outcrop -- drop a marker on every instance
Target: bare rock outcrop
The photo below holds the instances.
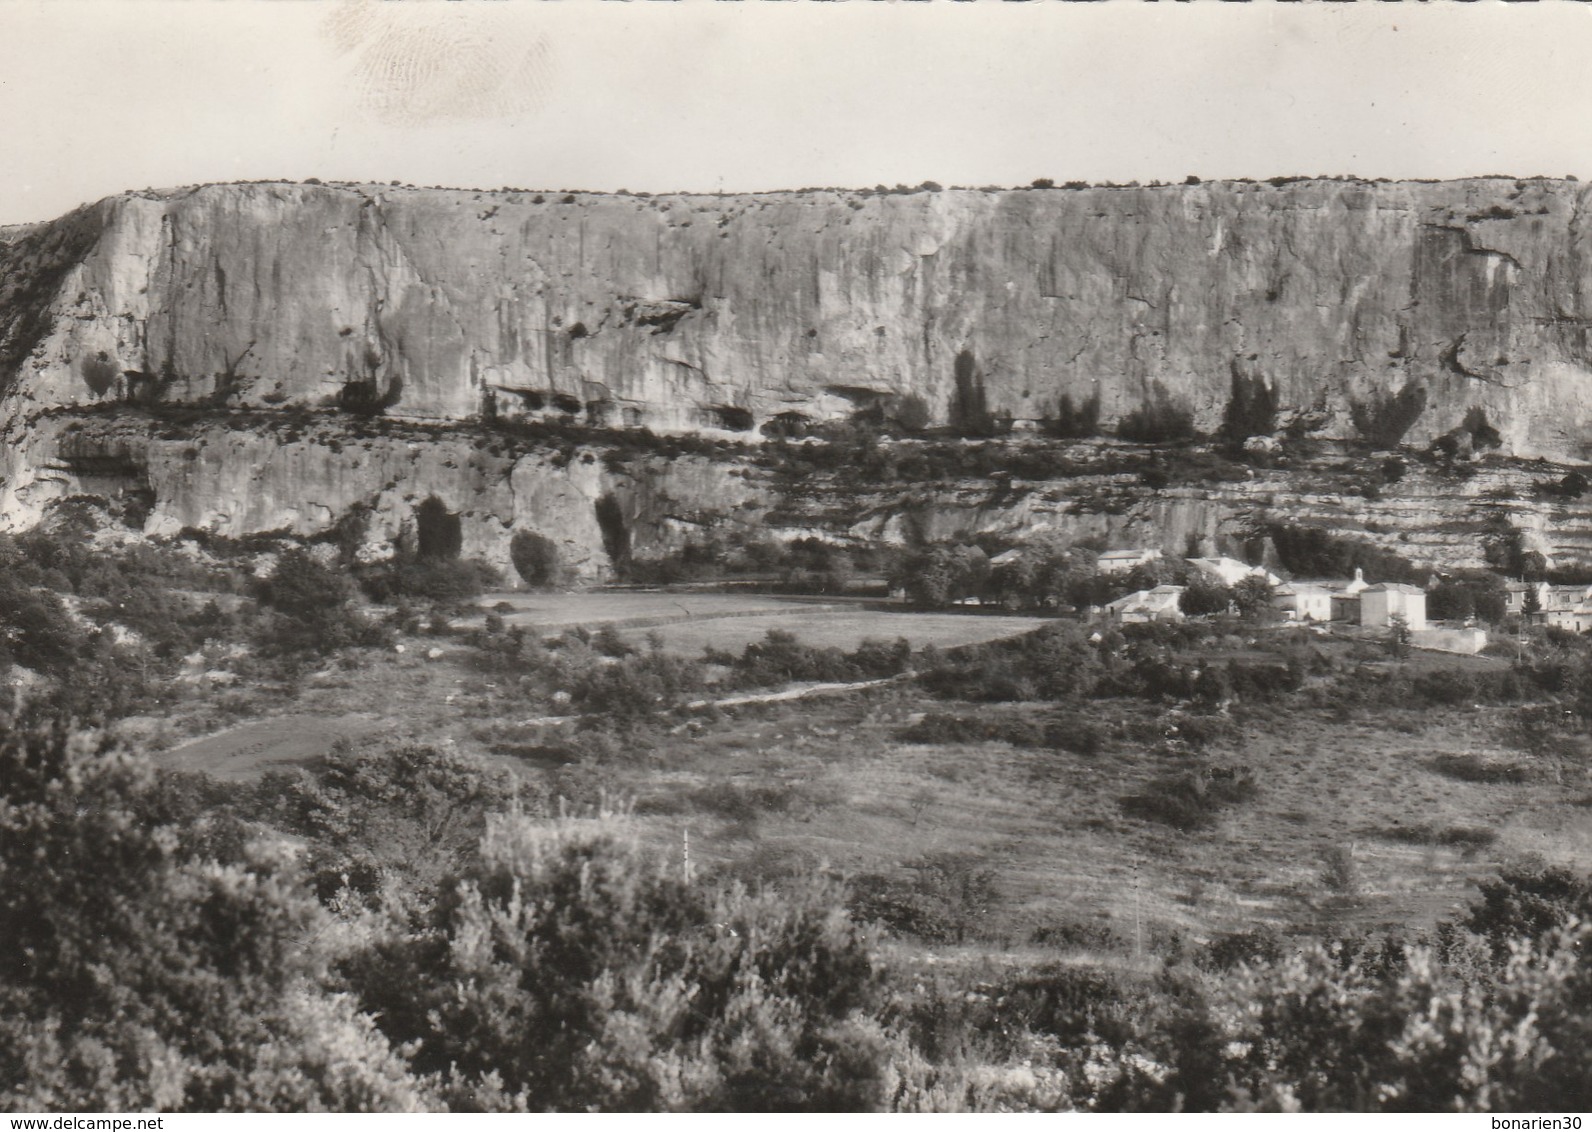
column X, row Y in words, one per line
column 1388, row 311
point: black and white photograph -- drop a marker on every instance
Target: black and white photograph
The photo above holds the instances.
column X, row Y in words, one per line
column 734, row 556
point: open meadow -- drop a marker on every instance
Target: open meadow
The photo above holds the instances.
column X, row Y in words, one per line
column 1358, row 819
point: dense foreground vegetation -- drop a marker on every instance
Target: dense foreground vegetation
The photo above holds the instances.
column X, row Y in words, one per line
column 404, row 926
column 408, row 930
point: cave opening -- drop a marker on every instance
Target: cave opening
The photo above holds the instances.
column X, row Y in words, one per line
column 616, row 535
column 970, row 415
column 438, row 531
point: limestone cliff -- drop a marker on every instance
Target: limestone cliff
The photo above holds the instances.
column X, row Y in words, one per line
column 732, row 314
column 702, row 311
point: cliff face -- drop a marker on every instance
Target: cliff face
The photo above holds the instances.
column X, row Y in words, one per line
column 693, row 312
column 699, row 313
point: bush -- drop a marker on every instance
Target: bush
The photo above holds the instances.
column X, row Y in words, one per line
column 945, row 900
column 1384, row 419
column 537, row 560
column 1335, row 1027
column 1251, row 409
column 1474, row 768
column 572, row 971
column 1158, row 421
column 449, row 582
column 1526, row 904
column 1073, row 422
column 1194, row 800
column 1056, row 662
column 138, row 975
column 1310, row 552
column 313, row 609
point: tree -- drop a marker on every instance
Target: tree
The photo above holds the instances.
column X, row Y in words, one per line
column 1398, row 635
column 1386, row 417
column 1252, row 596
column 1251, row 409
column 941, row 575
column 1204, row 596
column 537, row 560
column 313, row 607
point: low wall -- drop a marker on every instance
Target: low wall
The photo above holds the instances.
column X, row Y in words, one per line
column 1467, row 641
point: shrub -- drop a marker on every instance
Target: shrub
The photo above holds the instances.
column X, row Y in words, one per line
column 1056, row 662
column 1204, row 596
column 36, row 631
column 139, row 976
column 1311, row 552
column 1384, row 419
column 572, row 971
column 945, row 900
column 1251, row 409
column 312, row 607
column 1335, row 1027
column 417, row 810
column 1474, row 768
column 536, row 559
column 1193, row 800
column 1158, row 421
column 1232, row 949
column 449, row 582
column 1075, row 421
column 1526, row 904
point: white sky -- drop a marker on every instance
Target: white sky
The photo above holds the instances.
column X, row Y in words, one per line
column 97, row 96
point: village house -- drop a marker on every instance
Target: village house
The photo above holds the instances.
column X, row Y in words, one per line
column 1380, row 603
column 1576, row 618
column 1563, row 599
column 1230, row 571
column 1122, row 561
column 1515, row 596
column 1321, row 599
column 1561, row 607
column 1303, row 601
column 1163, row 603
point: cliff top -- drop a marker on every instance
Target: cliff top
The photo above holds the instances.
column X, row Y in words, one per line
column 570, row 196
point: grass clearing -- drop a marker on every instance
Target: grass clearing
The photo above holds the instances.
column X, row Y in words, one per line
column 845, row 630
column 1352, row 825
column 554, row 611
column 252, row 749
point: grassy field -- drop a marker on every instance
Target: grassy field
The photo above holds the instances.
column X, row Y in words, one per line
column 845, row 630
column 839, row 787
column 606, row 607
column 1360, row 821
column 251, row 749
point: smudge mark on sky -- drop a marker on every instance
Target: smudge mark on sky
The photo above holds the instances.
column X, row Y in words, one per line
column 420, row 62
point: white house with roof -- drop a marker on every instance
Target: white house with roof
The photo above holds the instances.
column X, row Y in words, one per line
column 1163, row 603
column 1304, row 601
column 1577, row 617
column 1380, row 603
column 1230, row 571
column 1515, row 596
column 1121, row 561
column 1562, row 606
